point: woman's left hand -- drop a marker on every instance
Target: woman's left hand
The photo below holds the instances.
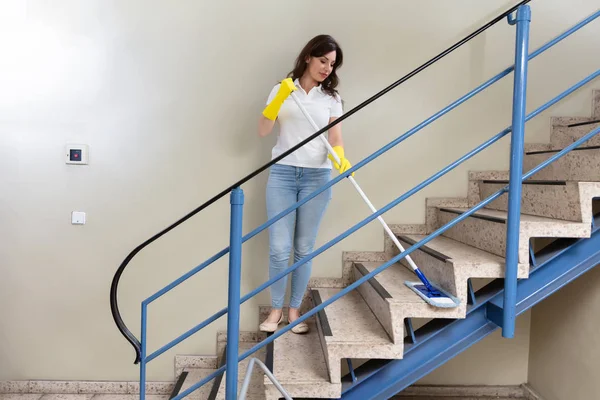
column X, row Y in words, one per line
column 344, row 165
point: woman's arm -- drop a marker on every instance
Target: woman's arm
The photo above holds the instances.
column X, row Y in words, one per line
column 335, row 134
column 278, row 95
column 265, row 126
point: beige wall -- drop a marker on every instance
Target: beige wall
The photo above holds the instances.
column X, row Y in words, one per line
column 565, row 346
column 167, row 96
column 492, row 361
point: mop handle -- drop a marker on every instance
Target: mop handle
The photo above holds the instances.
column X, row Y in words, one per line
column 360, row 191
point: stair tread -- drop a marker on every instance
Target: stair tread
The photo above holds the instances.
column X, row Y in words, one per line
column 527, row 182
column 504, row 176
column 299, row 359
column 392, row 279
column 458, row 252
column 194, row 376
column 503, row 215
column 552, row 151
column 351, row 320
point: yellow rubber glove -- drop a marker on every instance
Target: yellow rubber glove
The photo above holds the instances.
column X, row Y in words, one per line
column 344, row 164
column 272, row 109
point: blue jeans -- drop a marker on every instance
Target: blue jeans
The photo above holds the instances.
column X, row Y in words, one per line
column 286, row 186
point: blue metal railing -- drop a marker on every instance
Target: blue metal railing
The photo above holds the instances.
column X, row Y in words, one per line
column 114, row 304
column 516, row 167
column 235, row 274
column 416, row 246
column 234, row 301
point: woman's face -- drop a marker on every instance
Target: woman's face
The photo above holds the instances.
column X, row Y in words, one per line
column 319, row 68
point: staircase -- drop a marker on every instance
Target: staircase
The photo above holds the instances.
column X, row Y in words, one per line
column 370, row 323
column 364, row 345
column 374, row 322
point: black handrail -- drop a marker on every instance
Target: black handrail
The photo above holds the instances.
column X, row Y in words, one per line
column 115, row 282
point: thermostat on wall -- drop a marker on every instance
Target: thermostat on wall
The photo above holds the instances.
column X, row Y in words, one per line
column 77, row 154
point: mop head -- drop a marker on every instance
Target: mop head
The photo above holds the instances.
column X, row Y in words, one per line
column 437, row 297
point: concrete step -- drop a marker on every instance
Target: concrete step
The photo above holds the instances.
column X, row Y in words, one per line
column 567, row 130
column 300, row 367
column 580, row 164
column 194, row 376
column 486, row 230
column 349, row 329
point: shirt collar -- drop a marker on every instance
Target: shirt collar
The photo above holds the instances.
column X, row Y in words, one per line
column 319, row 87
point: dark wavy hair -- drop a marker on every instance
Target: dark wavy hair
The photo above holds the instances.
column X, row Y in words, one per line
column 318, row 47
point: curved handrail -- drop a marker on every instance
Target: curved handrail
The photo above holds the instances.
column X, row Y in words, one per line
column 115, row 282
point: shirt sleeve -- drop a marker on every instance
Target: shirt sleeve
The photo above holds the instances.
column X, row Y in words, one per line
column 273, row 93
column 336, row 107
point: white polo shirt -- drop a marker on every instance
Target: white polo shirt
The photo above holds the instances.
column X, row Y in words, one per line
column 294, row 128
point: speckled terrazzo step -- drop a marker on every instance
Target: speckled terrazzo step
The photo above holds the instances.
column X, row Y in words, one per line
column 566, row 200
column 581, row 164
column 564, row 135
column 194, row 376
column 486, row 230
column 299, row 365
column 349, row 329
column 446, row 262
column 552, row 199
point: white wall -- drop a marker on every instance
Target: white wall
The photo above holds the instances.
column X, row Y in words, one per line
column 167, row 96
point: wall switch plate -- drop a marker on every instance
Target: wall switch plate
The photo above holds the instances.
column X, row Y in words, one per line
column 77, row 154
column 78, row 218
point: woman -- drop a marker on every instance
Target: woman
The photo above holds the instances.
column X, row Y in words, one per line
column 299, row 174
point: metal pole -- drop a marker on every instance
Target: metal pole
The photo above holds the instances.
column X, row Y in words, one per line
column 143, row 343
column 269, row 375
column 235, row 271
column 522, row 21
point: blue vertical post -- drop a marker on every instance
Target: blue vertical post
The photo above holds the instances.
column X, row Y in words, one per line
column 233, row 305
column 143, row 343
column 522, row 21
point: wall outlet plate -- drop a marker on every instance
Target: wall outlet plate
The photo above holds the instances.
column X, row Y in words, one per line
column 78, row 218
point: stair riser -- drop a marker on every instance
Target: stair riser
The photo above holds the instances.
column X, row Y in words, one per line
column 562, row 136
column 334, row 391
column 438, row 271
column 299, row 365
column 578, row 165
column 480, row 233
column 552, row 201
column 380, row 307
column 339, row 352
column 490, row 235
column 354, row 332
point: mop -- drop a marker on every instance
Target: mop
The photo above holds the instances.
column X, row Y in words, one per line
column 431, row 294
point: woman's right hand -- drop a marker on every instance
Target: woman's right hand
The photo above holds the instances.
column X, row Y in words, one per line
column 269, row 115
column 285, row 89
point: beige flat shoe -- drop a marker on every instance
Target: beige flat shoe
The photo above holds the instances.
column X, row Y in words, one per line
column 301, row 328
column 270, row 326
